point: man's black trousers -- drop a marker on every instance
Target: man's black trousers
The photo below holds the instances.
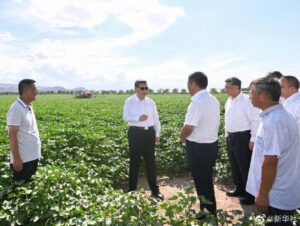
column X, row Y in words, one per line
column 239, row 156
column 29, row 168
column 201, row 160
column 142, row 144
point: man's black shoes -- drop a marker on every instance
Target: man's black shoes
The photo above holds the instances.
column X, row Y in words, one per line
column 247, row 201
column 235, row 193
column 158, row 196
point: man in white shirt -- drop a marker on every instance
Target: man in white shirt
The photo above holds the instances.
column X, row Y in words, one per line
column 24, row 139
column 274, row 170
column 289, row 91
column 144, row 128
column 200, row 134
column 241, row 122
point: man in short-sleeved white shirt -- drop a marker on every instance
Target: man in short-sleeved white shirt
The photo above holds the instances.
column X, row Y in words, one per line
column 24, row 139
column 200, row 134
column 274, row 171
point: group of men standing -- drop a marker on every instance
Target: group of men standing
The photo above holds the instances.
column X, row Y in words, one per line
column 262, row 137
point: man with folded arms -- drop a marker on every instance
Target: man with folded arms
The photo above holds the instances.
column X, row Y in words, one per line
column 144, row 128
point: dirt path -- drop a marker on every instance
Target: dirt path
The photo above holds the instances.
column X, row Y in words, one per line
column 170, row 186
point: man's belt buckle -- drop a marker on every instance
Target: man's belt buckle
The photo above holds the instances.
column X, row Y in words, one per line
column 146, row 128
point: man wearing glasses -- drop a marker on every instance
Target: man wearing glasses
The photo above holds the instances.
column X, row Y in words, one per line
column 144, row 128
column 24, row 139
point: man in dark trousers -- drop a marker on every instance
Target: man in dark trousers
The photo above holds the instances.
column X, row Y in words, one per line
column 24, row 139
column 200, row 134
column 241, row 122
column 144, row 128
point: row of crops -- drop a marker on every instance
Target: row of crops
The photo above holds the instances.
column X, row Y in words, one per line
column 85, row 162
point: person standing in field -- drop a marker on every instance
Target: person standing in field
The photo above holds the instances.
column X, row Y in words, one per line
column 241, row 123
column 144, row 132
column 289, row 91
column 24, row 139
column 200, row 135
column 274, row 170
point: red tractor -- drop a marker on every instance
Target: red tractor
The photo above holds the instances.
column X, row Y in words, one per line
column 84, row 94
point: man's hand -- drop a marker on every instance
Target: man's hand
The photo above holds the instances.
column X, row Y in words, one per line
column 268, row 175
column 262, row 203
column 185, row 132
column 143, row 118
column 157, row 140
column 17, row 164
column 251, row 145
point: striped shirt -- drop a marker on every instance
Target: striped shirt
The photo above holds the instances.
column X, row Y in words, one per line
column 29, row 144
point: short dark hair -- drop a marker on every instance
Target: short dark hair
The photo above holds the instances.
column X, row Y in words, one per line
column 268, row 86
column 234, row 81
column 199, row 78
column 292, row 81
column 138, row 82
column 274, row 74
column 25, row 84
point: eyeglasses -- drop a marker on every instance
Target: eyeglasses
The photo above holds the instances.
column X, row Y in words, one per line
column 143, row 88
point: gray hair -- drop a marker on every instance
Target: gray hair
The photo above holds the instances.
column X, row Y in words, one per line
column 268, row 86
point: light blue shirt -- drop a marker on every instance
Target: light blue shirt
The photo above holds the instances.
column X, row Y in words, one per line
column 277, row 135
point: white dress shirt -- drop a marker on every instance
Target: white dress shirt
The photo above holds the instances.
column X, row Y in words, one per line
column 277, row 135
column 29, row 144
column 204, row 114
column 292, row 105
column 241, row 115
column 134, row 108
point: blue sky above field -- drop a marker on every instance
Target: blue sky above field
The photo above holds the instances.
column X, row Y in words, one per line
column 108, row 44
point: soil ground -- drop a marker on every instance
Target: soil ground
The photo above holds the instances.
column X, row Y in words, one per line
column 170, row 186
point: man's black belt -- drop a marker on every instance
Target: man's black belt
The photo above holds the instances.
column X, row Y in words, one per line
column 142, row 127
column 239, row 133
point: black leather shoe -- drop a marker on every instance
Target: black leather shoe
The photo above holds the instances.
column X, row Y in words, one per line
column 247, row 202
column 158, row 195
column 235, row 193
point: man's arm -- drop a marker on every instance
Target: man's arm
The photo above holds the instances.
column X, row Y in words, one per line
column 253, row 115
column 268, row 176
column 185, row 132
column 132, row 118
column 14, row 148
column 157, row 125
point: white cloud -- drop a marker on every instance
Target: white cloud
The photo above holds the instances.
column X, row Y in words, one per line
column 146, row 18
column 95, row 62
column 6, row 37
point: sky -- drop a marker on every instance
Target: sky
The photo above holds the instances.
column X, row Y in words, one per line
column 108, row 44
